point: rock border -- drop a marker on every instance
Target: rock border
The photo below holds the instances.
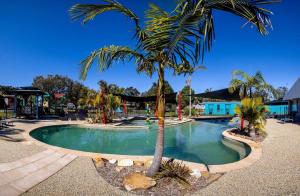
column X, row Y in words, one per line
column 254, row 155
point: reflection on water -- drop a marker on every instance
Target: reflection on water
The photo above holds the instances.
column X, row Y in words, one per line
column 200, row 142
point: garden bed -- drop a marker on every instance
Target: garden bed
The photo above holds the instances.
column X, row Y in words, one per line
column 115, row 175
column 243, row 134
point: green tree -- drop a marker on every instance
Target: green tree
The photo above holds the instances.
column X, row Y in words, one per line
column 6, row 89
column 60, row 84
column 280, row 92
column 131, row 91
column 168, row 40
column 153, row 89
column 185, row 101
column 250, row 86
column 88, row 98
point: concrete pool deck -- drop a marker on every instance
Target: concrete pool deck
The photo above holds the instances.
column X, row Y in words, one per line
column 277, row 172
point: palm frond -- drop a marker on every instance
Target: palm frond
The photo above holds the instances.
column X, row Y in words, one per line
column 88, row 12
column 107, row 55
column 250, row 10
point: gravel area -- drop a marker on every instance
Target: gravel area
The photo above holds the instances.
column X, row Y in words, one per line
column 276, row 173
column 165, row 186
column 78, row 178
column 12, row 147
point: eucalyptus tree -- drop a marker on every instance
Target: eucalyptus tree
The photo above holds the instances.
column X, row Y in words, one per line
column 250, row 86
column 173, row 40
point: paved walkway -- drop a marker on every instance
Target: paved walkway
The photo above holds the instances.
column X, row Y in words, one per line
column 276, row 173
column 21, row 175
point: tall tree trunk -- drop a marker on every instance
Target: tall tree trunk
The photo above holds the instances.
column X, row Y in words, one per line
column 161, row 123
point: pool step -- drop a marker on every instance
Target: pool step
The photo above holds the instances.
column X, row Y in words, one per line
column 19, row 176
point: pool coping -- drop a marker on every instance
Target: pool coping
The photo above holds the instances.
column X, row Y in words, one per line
column 253, row 156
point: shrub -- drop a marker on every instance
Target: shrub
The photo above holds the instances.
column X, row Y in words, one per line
column 252, row 110
column 174, row 169
column 186, row 111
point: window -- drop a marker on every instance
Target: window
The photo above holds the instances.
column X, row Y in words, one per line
column 218, row 108
column 227, row 109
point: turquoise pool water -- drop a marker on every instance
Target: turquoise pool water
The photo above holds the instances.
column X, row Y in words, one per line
column 199, row 141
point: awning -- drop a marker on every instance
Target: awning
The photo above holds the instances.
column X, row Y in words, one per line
column 222, row 94
column 26, row 91
column 277, row 102
column 170, row 98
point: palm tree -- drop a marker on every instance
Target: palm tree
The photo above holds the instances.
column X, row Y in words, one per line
column 249, row 86
column 252, row 110
column 174, row 40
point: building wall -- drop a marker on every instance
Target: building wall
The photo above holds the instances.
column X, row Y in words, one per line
column 220, row 108
column 278, row 109
column 227, row 108
column 295, row 109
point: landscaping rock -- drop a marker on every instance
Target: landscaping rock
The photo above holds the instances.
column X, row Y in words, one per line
column 112, row 161
column 205, row 174
column 196, row 173
column 118, row 169
column 125, row 163
column 138, row 163
column 99, row 162
column 136, row 181
column 148, row 163
column 139, row 169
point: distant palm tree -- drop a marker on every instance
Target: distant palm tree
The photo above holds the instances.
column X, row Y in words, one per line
column 249, row 86
column 174, row 40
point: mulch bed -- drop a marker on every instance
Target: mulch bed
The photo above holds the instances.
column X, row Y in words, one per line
column 242, row 134
column 164, row 186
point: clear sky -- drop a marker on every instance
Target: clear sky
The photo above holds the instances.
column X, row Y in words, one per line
column 38, row 38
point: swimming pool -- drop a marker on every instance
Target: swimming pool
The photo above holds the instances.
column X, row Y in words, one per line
column 199, row 141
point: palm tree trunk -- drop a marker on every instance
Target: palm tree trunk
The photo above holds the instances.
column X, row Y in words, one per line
column 159, row 148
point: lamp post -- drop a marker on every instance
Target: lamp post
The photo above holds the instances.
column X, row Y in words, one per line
column 189, row 83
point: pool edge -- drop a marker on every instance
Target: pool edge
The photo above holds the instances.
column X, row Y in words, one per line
column 253, row 156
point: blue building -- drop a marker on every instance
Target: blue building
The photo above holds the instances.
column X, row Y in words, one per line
column 276, row 108
column 220, row 108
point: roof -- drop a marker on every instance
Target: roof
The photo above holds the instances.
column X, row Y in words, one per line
column 26, row 91
column 58, row 95
column 277, row 102
column 294, row 92
column 170, row 98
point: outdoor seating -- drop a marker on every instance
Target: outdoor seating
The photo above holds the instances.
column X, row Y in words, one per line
column 6, row 123
column 286, row 119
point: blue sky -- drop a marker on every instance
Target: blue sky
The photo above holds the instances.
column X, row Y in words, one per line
column 38, row 38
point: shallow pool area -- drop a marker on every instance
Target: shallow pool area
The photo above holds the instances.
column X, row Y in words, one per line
column 199, row 141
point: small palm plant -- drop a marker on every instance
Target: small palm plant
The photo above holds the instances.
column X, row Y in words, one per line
column 252, row 110
column 174, row 169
